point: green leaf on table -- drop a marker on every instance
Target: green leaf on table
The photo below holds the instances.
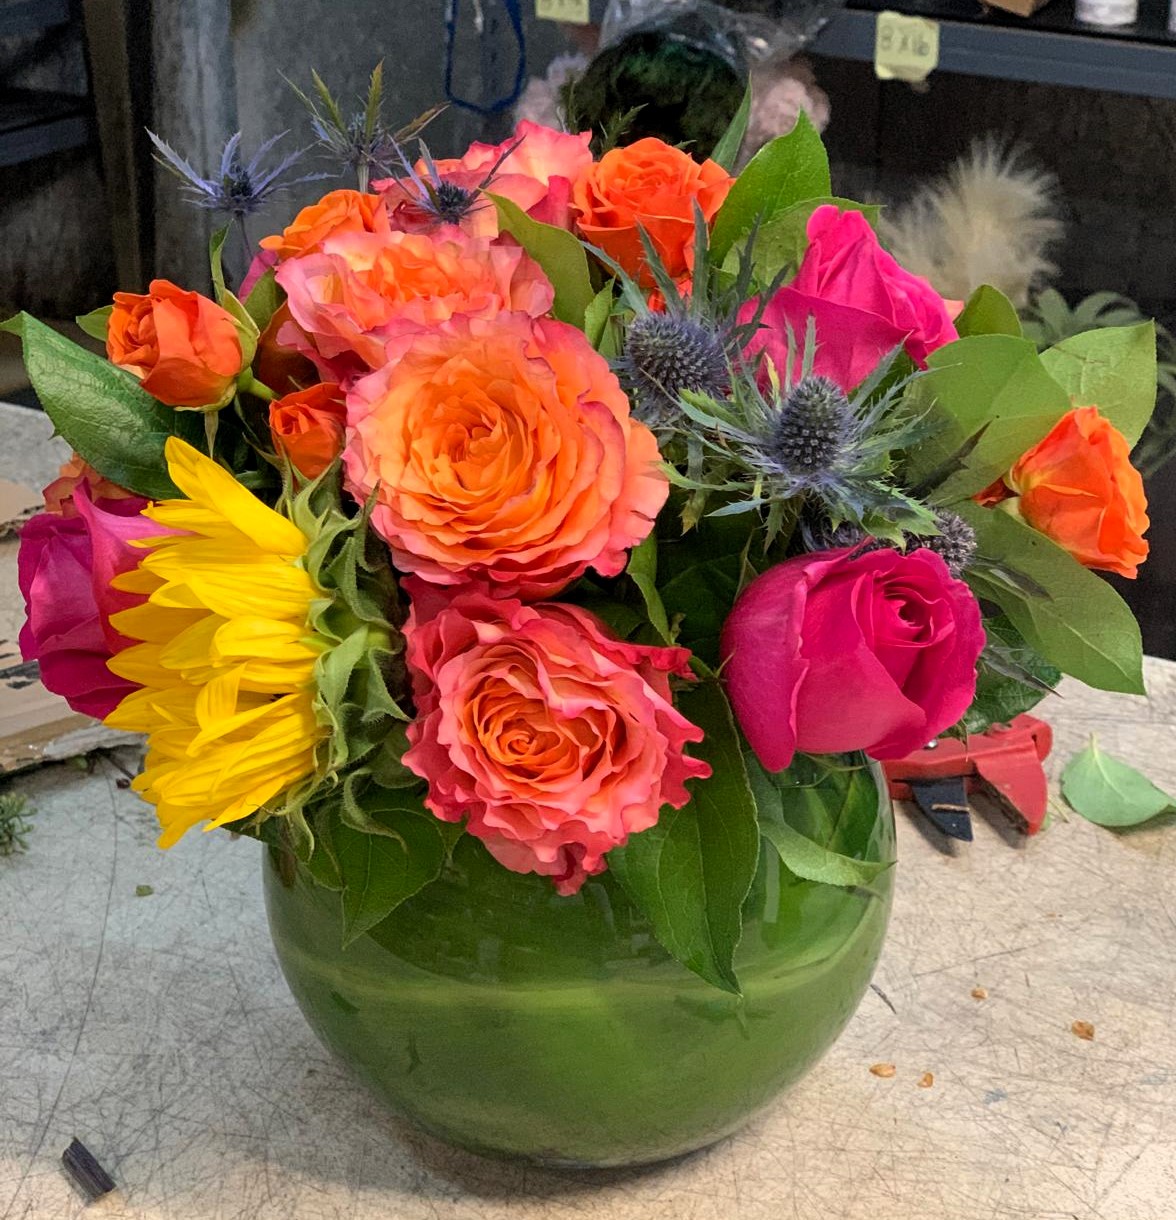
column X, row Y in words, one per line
column 726, row 150
column 781, row 241
column 990, row 398
column 559, row 253
column 1081, row 624
column 988, row 312
column 785, row 171
column 380, row 871
column 102, row 411
column 96, row 322
column 1109, row 792
column 642, row 570
column 1114, row 369
column 690, row 873
column 1011, row 677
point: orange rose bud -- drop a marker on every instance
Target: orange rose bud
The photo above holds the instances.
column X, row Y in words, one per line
column 1078, row 487
column 308, row 427
column 336, row 212
column 652, row 186
column 277, row 365
column 184, row 348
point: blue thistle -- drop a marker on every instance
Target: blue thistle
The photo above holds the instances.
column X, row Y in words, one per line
column 238, row 188
column 955, row 543
column 666, row 354
column 811, row 433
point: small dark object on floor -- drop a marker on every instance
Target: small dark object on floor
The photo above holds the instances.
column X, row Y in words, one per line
column 144, row 891
column 90, row 1177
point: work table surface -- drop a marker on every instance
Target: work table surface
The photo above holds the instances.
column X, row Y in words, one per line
column 158, row 1029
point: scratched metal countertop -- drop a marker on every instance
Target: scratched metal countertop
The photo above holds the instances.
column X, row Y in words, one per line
column 158, row 1029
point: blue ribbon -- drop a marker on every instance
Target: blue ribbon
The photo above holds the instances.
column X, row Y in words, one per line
column 515, row 17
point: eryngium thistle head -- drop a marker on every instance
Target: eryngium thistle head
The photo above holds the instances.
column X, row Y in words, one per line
column 666, row 354
column 955, row 544
column 812, row 428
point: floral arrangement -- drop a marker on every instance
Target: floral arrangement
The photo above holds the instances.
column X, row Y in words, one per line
column 576, row 510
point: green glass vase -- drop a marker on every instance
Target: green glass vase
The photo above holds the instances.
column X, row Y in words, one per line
column 513, row 1022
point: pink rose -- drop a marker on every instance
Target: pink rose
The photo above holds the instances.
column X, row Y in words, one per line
column 537, row 175
column 553, row 737
column 862, row 304
column 64, row 569
column 842, row 651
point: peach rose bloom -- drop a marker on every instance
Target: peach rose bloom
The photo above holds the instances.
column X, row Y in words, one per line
column 77, row 472
column 554, row 738
column 336, row 212
column 1078, row 487
column 655, row 186
column 504, row 455
column 307, row 427
column 346, row 298
column 536, row 168
column 183, row 347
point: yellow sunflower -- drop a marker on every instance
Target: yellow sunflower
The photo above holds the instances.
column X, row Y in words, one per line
column 228, row 654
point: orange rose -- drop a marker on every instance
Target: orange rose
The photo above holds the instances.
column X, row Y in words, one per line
column 77, row 471
column 348, row 298
column 335, row 212
column 281, row 365
column 308, row 427
column 654, row 186
column 1078, row 487
column 504, row 454
column 184, row 348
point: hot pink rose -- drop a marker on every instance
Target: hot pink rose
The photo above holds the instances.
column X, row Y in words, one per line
column 861, row 302
column 842, row 651
column 64, row 568
column 555, row 739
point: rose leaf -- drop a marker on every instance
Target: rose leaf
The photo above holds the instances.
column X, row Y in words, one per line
column 1109, row 792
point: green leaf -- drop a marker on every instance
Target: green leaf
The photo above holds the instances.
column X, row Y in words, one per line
column 102, row 411
column 690, row 873
column 988, row 312
column 990, row 389
column 1109, row 792
column 559, row 253
column 95, row 322
column 781, row 241
column 813, row 862
column 379, row 872
column 1082, row 626
column 642, row 570
column 597, row 319
column 216, row 251
column 727, row 149
column 263, row 300
column 784, row 172
column 1113, row 369
column 1000, row 693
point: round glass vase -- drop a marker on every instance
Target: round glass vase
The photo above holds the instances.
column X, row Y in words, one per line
column 513, row 1022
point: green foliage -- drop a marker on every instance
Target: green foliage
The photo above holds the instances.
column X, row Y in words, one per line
column 1010, row 679
column 727, row 149
column 1076, row 621
column 988, row 398
column 560, row 255
column 1109, row 792
column 690, row 873
column 785, row 172
column 102, row 411
column 377, row 872
column 1112, row 369
column 642, row 570
column 988, row 312
column 95, row 322
column 263, row 300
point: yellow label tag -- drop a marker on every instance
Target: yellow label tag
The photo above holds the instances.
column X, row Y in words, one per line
column 905, row 48
column 574, row 12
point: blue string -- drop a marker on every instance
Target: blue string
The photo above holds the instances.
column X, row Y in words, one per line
column 515, row 17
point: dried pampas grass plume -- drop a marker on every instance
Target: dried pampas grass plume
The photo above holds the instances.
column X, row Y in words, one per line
column 990, row 219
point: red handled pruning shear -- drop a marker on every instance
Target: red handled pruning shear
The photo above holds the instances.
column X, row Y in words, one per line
column 1003, row 763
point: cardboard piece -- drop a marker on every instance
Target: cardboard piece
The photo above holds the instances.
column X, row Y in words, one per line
column 1022, row 8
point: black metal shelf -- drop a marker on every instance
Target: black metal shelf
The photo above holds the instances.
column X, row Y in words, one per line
column 1047, row 48
column 35, row 124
